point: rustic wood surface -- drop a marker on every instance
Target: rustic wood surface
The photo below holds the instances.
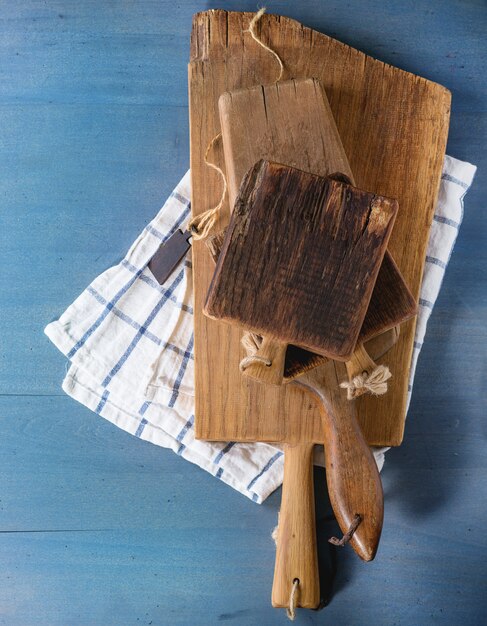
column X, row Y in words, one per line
column 101, row 528
column 395, row 141
column 291, row 122
column 300, row 259
column 353, row 480
column 298, row 265
column 296, row 548
column 391, row 304
column 379, row 325
column 299, row 361
column 352, row 477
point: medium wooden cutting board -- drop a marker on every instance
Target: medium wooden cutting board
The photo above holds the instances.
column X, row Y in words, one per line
column 394, row 127
column 290, row 122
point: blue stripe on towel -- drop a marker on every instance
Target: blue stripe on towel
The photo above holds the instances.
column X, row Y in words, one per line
column 103, row 401
column 266, row 467
column 447, row 221
column 116, row 368
column 454, row 180
column 181, row 198
column 109, row 306
column 223, row 451
column 100, row 319
column 425, row 303
column 185, row 428
column 182, row 369
column 143, row 421
column 434, row 261
column 153, row 231
column 141, row 426
column 155, row 285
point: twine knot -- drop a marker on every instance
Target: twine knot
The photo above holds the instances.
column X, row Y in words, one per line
column 374, row 383
column 251, row 343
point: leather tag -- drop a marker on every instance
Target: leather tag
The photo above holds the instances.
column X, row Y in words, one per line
column 169, row 254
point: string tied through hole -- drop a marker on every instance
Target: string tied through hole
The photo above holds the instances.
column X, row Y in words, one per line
column 251, row 343
column 202, row 225
column 291, row 609
column 374, row 383
column 349, row 534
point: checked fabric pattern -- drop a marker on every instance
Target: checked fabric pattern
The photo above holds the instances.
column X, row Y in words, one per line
column 129, row 341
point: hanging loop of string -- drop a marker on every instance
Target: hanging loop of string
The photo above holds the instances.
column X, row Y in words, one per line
column 202, row 225
column 349, row 534
column 251, row 343
column 291, row 610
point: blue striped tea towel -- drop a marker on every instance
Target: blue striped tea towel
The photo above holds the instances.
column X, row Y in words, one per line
column 130, row 342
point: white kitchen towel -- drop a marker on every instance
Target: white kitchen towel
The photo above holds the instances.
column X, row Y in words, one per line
column 130, row 342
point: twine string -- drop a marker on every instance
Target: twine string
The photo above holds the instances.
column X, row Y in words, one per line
column 202, row 225
column 291, row 610
column 251, row 343
column 374, row 383
column 274, row 533
column 253, row 358
column 252, row 30
column 349, row 534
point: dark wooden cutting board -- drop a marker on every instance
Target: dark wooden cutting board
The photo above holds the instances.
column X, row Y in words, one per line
column 300, row 259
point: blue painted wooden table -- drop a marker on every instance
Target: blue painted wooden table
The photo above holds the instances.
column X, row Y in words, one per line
column 98, row 527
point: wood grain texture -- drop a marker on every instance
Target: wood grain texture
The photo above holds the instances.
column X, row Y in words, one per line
column 300, row 259
column 358, row 364
column 395, row 141
column 352, row 475
column 296, row 551
column 298, row 265
column 353, row 480
column 298, row 360
column 291, row 123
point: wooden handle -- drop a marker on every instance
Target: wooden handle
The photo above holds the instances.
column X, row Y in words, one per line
column 360, row 362
column 364, row 375
column 296, row 555
column 268, row 366
column 354, row 483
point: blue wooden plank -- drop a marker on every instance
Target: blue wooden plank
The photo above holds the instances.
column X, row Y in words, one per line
column 81, row 183
column 99, row 526
column 94, row 135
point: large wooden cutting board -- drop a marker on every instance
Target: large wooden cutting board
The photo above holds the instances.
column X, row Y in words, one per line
column 394, row 127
